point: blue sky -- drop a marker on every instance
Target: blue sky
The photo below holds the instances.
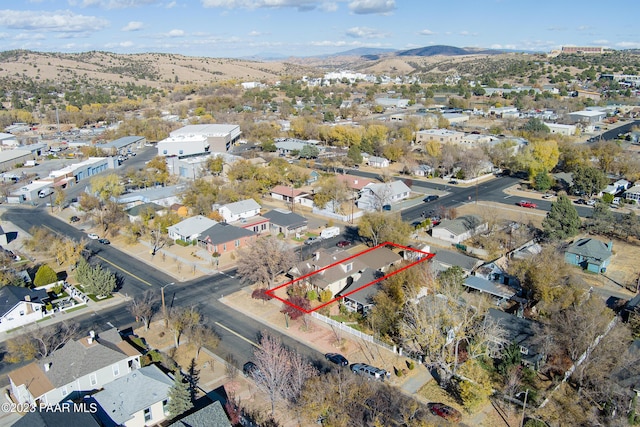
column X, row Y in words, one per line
column 238, row 28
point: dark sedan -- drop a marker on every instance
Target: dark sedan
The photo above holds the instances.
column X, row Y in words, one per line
column 104, row 241
column 343, row 244
column 336, row 358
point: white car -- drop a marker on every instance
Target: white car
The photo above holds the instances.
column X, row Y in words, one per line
column 93, row 236
column 591, row 202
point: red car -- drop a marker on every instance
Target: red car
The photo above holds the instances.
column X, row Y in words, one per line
column 527, row 204
column 445, row 411
column 343, row 244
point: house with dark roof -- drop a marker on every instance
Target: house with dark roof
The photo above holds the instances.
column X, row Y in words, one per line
column 139, row 398
column 460, row 229
column 211, row 415
column 75, row 369
column 337, row 269
column 222, row 238
column 239, row 210
column 286, row 222
column 591, row 254
column 68, row 415
column 518, row 330
column 358, row 295
column 445, row 259
column 20, row 306
column 137, row 212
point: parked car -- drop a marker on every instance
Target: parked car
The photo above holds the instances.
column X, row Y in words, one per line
column 311, row 240
column 386, row 208
column 453, row 181
column 547, row 195
column 93, row 236
column 445, row 411
column 343, row 243
column 74, row 219
column 336, row 358
column 250, row 369
column 104, row 241
column 526, row 204
column 369, row 372
column 581, row 202
column 591, row 202
column 431, row 198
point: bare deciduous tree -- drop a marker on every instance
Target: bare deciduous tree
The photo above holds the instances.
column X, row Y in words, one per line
column 264, row 260
column 272, row 360
column 40, row 342
column 144, row 307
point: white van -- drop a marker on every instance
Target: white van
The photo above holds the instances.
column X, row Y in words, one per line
column 330, row 232
column 45, row 192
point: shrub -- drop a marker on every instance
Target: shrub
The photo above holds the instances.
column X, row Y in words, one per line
column 325, row 296
column 411, row 365
column 182, row 242
column 44, row 276
column 312, row 295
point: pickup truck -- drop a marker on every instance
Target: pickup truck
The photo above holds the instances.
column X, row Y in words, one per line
column 527, row 204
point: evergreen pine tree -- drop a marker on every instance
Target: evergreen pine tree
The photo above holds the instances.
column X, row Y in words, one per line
column 562, row 221
column 179, row 398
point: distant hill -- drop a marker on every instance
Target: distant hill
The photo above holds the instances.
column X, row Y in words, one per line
column 363, row 51
column 447, row 51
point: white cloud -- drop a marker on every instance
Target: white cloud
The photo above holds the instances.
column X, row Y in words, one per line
column 467, row 34
column 175, row 33
column 30, row 36
column 60, row 21
column 125, row 44
column 601, row 42
column 365, row 7
column 111, row 4
column 301, row 5
column 133, row 26
column 255, row 33
column 556, row 28
column 364, row 33
column 628, row 45
column 171, row 5
column 426, row 32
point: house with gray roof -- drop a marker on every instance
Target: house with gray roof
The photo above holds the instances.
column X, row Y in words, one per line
column 374, row 196
column 139, row 398
column 164, row 196
column 222, row 238
column 358, row 295
column 591, row 254
column 378, row 162
column 20, row 306
column 445, row 259
column 238, row 210
column 286, row 222
column 136, row 212
column 210, row 415
column 517, row 330
column 460, row 229
column 122, row 145
column 75, row 369
column 190, row 229
column 67, row 416
column 337, row 269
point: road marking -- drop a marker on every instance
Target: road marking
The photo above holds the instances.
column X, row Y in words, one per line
column 508, row 196
column 112, row 264
column 238, row 335
column 123, row 270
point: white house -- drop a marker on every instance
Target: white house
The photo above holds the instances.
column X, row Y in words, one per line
column 378, row 162
column 190, row 229
column 376, row 195
column 459, row 229
column 20, row 306
column 74, row 370
column 239, row 210
column 560, row 129
column 633, row 193
column 617, row 187
column 135, row 400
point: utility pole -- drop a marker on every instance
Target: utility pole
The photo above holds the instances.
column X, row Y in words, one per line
column 164, row 306
column 524, row 407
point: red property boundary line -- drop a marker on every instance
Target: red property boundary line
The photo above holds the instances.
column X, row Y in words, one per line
column 426, row 256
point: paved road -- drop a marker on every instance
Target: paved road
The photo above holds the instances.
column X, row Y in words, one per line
column 239, row 333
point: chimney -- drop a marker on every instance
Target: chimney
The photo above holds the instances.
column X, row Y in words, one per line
column 92, row 334
column 47, row 366
column 355, row 181
column 27, row 298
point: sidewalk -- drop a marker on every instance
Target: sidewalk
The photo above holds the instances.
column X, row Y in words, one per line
column 322, row 338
